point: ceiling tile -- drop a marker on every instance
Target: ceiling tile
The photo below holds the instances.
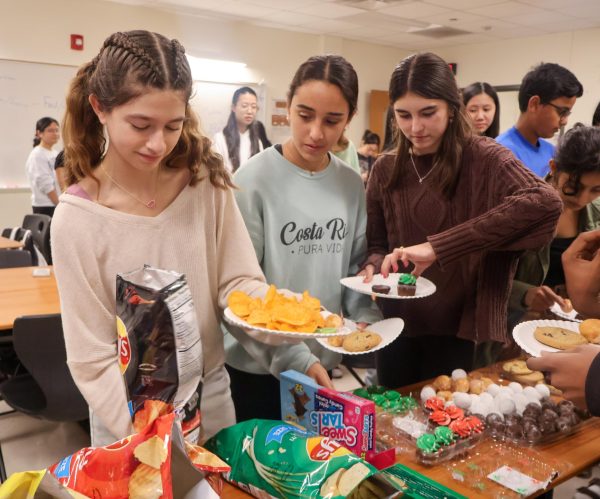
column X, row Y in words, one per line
column 572, row 25
column 330, row 25
column 585, row 10
column 547, row 17
column 327, row 9
column 413, row 10
column 281, row 4
column 507, row 9
column 454, row 19
column 291, row 18
column 555, row 4
column 463, row 4
column 243, row 9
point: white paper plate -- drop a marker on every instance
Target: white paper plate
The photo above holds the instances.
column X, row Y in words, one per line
column 571, row 316
column 523, row 335
column 388, row 329
column 424, row 286
column 271, row 337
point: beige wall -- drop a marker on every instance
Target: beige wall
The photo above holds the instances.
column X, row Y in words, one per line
column 506, row 62
column 31, row 30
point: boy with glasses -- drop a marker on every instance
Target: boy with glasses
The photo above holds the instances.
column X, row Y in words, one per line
column 546, row 96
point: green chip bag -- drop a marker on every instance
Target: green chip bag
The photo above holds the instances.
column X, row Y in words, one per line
column 283, row 460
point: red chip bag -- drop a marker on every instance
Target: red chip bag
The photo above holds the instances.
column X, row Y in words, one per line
column 136, row 466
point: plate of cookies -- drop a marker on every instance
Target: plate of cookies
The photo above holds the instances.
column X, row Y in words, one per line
column 540, row 336
column 398, row 286
column 374, row 337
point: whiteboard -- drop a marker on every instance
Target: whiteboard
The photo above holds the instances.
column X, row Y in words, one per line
column 29, row 91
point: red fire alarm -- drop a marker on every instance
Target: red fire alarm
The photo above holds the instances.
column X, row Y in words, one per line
column 76, row 42
column 453, row 67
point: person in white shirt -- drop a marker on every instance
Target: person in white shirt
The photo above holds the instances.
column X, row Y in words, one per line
column 40, row 167
column 240, row 139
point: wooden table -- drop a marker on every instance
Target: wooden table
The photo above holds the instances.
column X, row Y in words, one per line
column 6, row 243
column 23, row 294
column 580, row 449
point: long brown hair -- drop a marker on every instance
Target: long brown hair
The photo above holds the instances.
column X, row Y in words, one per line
column 429, row 76
column 127, row 65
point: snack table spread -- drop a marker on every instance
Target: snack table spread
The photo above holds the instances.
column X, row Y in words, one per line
column 580, row 449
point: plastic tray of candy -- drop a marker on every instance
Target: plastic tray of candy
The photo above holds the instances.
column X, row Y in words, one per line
column 399, row 431
column 473, row 472
column 458, row 448
column 539, row 425
column 387, row 400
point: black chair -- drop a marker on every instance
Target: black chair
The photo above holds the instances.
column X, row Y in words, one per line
column 14, row 258
column 47, row 390
column 39, row 225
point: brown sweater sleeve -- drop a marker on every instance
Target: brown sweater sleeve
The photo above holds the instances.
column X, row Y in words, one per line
column 523, row 209
column 377, row 231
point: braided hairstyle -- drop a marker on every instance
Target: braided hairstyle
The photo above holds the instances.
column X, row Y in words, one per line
column 128, row 64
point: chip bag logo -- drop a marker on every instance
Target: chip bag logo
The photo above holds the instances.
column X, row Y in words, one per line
column 323, row 448
column 123, row 345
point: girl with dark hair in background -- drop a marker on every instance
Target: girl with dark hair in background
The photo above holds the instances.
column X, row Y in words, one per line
column 241, row 137
column 459, row 208
column 156, row 194
column 368, row 152
column 287, row 192
column 575, row 174
column 596, row 117
column 40, row 167
column 483, row 108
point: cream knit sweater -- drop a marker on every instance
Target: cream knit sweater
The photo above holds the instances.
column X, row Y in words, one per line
column 201, row 234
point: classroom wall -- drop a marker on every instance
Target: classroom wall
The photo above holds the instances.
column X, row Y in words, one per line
column 30, row 34
column 506, row 62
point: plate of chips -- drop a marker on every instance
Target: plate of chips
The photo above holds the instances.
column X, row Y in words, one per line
column 282, row 317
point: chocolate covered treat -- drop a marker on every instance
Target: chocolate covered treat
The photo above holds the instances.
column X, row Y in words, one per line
column 381, row 289
column 407, row 285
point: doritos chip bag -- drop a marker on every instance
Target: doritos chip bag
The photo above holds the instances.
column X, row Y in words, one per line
column 160, row 351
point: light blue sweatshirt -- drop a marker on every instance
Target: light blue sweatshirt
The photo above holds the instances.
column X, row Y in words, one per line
column 308, row 231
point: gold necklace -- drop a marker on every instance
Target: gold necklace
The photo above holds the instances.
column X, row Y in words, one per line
column 417, row 171
column 150, row 204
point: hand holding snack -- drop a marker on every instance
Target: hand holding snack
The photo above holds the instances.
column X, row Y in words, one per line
column 317, row 372
column 568, row 370
column 421, row 256
column 541, row 298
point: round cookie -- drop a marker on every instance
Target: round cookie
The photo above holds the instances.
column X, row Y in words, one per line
column 590, row 330
column 361, row 341
column 557, row 337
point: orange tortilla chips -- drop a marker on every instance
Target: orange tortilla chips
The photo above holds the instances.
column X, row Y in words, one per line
column 281, row 313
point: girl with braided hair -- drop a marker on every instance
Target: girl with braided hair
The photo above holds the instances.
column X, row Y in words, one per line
column 153, row 193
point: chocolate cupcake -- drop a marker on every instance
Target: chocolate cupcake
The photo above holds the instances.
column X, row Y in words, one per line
column 407, row 285
column 381, row 289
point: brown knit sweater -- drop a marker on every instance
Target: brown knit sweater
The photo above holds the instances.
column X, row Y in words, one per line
column 499, row 209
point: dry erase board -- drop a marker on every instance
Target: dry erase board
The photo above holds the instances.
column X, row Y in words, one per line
column 29, row 91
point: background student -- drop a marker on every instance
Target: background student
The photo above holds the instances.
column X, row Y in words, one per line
column 483, row 108
column 368, row 152
column 546, row 96
column 345, row 149
column 458, row 207
column 241, row 137
column 40, row 167
column 157, row 195
column 575, row 174
column 286, row 192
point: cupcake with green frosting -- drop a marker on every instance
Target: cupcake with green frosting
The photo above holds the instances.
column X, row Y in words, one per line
column 407, row 285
